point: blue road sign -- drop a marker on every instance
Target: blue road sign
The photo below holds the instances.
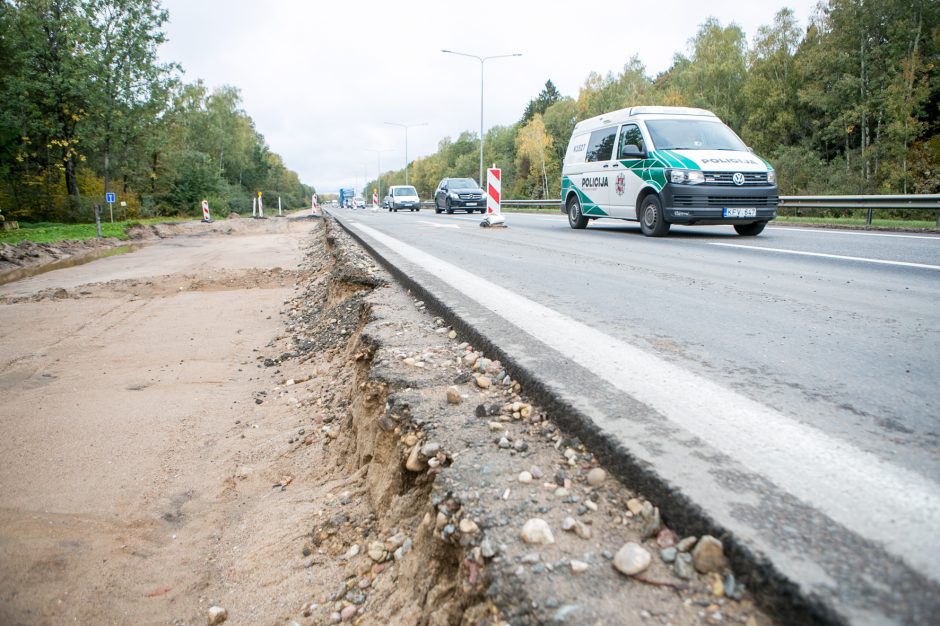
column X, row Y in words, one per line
column 109, row 197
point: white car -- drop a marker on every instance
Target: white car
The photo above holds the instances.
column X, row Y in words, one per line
column 402, row 197
column 359, row 202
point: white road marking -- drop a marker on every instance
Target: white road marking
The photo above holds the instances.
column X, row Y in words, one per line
column 828, row 473
column 436, row 225
column 828, row 256
column 828, row 231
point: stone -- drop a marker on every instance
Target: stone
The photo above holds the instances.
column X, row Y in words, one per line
column 483, row 382
column 632, row 559
column 652, row 524
column 537, row 531
column 453, row 395
column 525, row 478
column 635, row 505
column 504, row 443
column 666, row 538
column 682, row 566
column 582, row 530
column 348, row 612
column 217, row 615
column 377, row 551
column 409, row 361
column 708, row 555
column 352, row 552
column 452, row 334
column 568, row 523
column 596, row 477
column 668, row 555
column 537, row 473
column 415, row 463
column 686, row 544
column 487, row 549
column 468, row 526
column 430, row 449
column 578, row 567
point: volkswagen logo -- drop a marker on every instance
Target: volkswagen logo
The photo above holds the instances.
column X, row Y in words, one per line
column 738, row 179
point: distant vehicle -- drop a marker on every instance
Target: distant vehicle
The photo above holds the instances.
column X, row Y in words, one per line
column 359, row 203
column 402, row 197
column 662, row 166
column 459, row 193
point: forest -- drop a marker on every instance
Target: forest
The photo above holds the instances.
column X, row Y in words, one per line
column 850, row 104
column 87, row 106
column 846, row 104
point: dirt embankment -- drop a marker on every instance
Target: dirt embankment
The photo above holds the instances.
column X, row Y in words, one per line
column 445, row 496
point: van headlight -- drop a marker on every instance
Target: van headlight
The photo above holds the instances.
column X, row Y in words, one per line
column 686, row 177
column 771, row 177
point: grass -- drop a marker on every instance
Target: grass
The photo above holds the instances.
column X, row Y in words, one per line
column 876, row 223
column 50, row 232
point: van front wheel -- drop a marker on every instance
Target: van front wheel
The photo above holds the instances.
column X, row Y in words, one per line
column 576, row 218
column 652, row 222
column 750, row 230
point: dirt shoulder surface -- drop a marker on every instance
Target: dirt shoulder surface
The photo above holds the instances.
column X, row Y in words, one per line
column 288, row 435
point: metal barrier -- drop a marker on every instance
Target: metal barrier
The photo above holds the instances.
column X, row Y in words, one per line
column 870, row 203
column 902, row 202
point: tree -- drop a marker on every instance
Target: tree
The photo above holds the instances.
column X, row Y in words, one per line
column 546, row 98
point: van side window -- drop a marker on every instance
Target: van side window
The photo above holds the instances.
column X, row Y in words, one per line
column 630, row 138
column 601, row 144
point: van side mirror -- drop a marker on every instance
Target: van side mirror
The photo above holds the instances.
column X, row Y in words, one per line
column 631, row 151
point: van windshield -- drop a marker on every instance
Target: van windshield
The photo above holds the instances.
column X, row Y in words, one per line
column 404, row 191
column 693, row 135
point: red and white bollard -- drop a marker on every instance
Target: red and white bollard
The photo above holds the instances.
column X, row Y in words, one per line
column 493, row 215
column 313, row 204
column 205, row 211
column 375, row 201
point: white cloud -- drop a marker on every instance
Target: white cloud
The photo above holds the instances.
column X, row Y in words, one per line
column 320, row 78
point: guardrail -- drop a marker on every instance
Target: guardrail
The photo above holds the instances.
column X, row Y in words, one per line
column 871, row 202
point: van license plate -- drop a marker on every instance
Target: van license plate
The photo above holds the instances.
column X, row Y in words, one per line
column 750, row 212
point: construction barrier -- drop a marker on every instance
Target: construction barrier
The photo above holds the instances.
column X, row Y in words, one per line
column 493, row 192
column 205, row 211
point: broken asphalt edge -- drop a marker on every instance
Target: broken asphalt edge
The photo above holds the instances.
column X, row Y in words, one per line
column 781, row 597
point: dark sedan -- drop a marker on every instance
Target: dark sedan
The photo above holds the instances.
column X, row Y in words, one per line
column 462, row 194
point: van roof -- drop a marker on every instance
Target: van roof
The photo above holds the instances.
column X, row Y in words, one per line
column 622, row 115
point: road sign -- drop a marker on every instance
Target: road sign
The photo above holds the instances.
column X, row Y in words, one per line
column 109, row 197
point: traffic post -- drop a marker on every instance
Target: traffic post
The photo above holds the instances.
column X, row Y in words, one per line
column 313, row 204
column 254, row 207
column 279, row 214
column 260, row 207
column 375, row 200
column 109, row 198
column 493, row 215
column 205, row 212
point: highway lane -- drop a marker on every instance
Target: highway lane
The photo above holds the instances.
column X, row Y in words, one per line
column 829, row 337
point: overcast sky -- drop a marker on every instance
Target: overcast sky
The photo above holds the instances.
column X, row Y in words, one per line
column 320, row 78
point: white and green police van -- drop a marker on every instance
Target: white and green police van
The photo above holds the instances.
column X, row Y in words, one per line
column 663, row 166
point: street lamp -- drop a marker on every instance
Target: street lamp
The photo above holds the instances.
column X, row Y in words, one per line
column 378, row 164
column 406, row 127
column 482, row 60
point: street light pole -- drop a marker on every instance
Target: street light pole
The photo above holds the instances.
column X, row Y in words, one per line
column 482, row 60
column 378, row 164
column 406, row 127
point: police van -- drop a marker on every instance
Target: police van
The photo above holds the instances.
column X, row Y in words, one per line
column 662, row 166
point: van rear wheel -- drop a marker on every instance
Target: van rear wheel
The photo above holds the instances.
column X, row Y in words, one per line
column 576, row 218
column 750, row 230
column 652, row 222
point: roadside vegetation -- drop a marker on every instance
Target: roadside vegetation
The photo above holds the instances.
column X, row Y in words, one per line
column 847, row 105
column 48, row 232
column 86, row 105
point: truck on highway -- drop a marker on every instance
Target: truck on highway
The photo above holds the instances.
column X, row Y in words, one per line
column 662, row 166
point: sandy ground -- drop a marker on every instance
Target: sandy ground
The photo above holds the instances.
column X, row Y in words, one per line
column 121, row 396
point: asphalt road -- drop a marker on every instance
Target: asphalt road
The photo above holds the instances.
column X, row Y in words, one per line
column 784, row 383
